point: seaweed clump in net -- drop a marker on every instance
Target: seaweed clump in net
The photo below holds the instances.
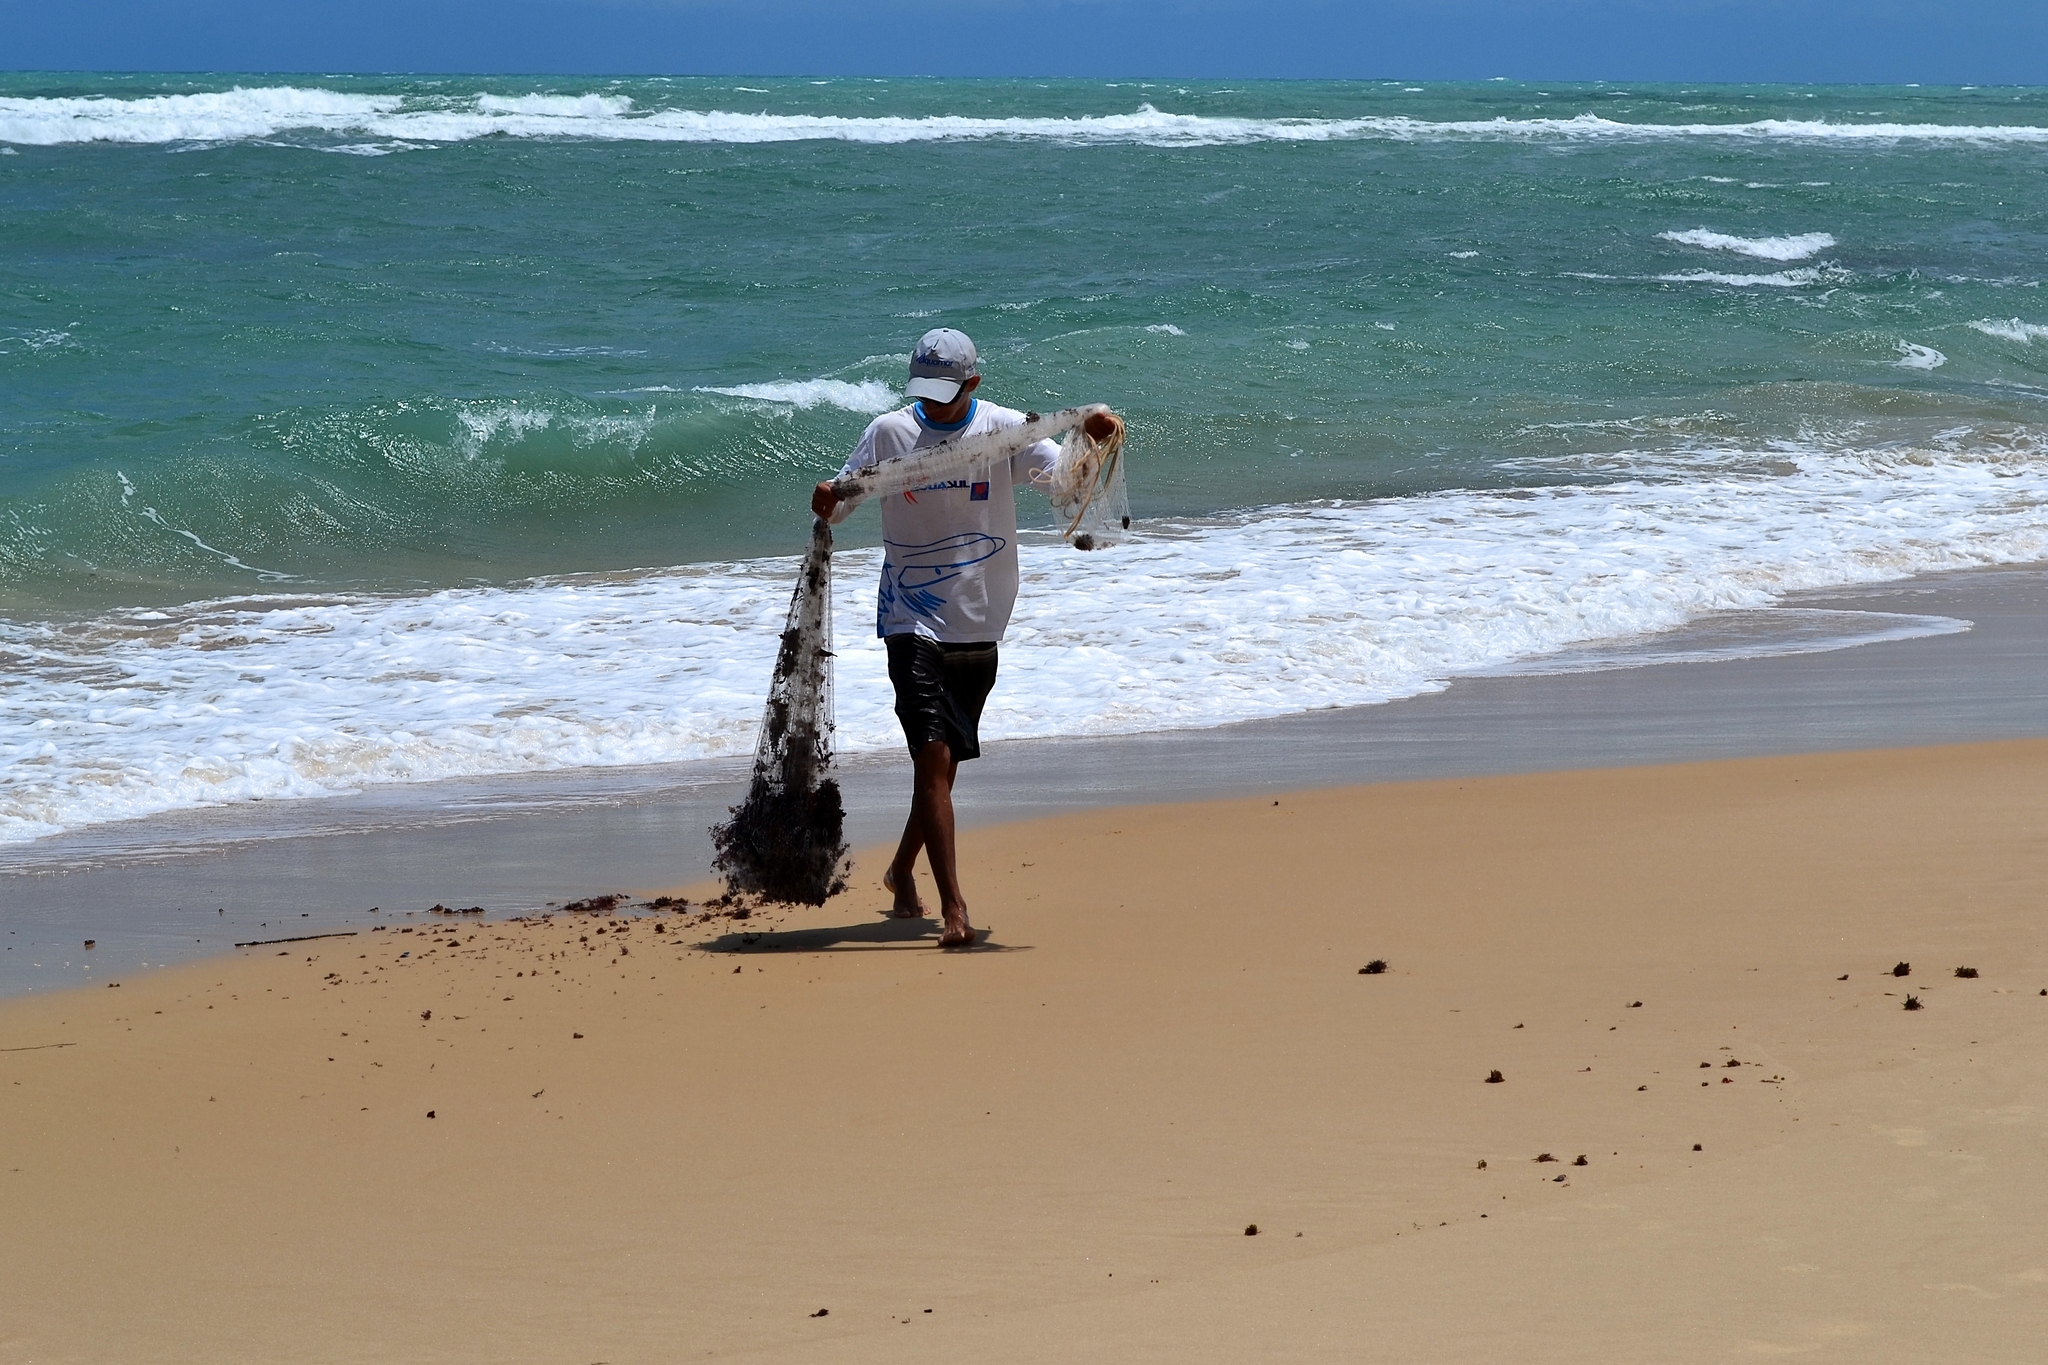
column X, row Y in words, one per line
column 1086, row 486
column 786, row 841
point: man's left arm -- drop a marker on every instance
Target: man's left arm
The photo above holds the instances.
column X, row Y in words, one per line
column 1033, row 462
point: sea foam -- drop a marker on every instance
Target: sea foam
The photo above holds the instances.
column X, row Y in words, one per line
column 1780, row 279
column 870, row 395
column 2012, row 329
column 211, row 117
column 1195, row 623
column 274, row 111
column 1796, row 248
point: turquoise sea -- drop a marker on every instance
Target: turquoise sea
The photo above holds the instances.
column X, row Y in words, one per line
column 360, row 431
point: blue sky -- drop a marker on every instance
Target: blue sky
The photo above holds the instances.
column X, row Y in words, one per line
column 1964, row 41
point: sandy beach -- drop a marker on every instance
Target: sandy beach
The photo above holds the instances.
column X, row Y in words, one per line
column 1511, row 824
column 653, row 1136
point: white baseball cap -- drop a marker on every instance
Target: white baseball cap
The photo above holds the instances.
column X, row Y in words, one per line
column 943, row 361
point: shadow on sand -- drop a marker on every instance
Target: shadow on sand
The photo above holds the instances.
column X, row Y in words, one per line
column 879, row 935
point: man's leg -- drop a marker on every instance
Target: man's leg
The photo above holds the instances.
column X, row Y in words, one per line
column 930, row 827
column 902, row 879
column 939, row 696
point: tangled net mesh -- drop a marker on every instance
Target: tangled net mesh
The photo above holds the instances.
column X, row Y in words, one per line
column 1086, row 488
column 786, row 841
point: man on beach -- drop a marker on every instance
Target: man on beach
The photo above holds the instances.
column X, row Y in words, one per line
column 949, row 581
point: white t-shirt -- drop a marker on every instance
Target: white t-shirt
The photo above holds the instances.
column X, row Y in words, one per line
column 949, row 556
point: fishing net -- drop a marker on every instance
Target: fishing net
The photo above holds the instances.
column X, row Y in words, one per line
column 958, row 459
column 1086, row 488
column 786, row 841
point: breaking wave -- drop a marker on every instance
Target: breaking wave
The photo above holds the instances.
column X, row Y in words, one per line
column 243, row 114
column 1295, row 607
column 1796, row 248
column 869, row 396
column 2012, row 329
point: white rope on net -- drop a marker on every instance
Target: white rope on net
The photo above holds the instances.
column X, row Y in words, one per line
column 1085, row 484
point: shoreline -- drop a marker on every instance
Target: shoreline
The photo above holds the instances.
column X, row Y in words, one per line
column 514, row 846
column 558, row 1140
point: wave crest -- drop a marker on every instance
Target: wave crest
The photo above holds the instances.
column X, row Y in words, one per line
column 270, row 111
column 1299, row 607
column 869, row 396
column 2011, row 329
column 1796, row 248
column 1782, row 279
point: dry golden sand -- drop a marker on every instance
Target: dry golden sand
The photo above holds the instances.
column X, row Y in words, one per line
column 1056, row 1148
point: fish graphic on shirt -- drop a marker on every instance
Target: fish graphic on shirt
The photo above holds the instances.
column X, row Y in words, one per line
column 922, row 568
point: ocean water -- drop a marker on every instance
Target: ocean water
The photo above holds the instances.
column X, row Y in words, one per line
column 357, row 432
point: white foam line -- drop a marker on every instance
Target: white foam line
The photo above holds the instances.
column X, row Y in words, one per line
column 151, row 515
column 1783, row 279
column 1777, row 633
column 264, row 575
column 1194, row 624
column 1795, row 248
column 266, row 112
column 868, row 396
column 2012, row 329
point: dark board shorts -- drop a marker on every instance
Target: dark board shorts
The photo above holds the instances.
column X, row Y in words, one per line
column 940, row 689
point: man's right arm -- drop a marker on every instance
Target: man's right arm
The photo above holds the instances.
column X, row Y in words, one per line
column 824, row 502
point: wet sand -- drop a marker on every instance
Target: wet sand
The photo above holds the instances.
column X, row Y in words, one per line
column 396, row 1147
column 149, row 891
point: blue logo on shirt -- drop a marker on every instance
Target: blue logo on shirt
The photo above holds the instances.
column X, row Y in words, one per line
column 921, row 568
column 978, row 493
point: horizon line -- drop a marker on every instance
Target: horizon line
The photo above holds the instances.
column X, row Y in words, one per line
column 922, row 76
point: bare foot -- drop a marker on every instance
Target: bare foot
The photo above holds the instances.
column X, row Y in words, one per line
column 907, row 905
column 958, row 932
